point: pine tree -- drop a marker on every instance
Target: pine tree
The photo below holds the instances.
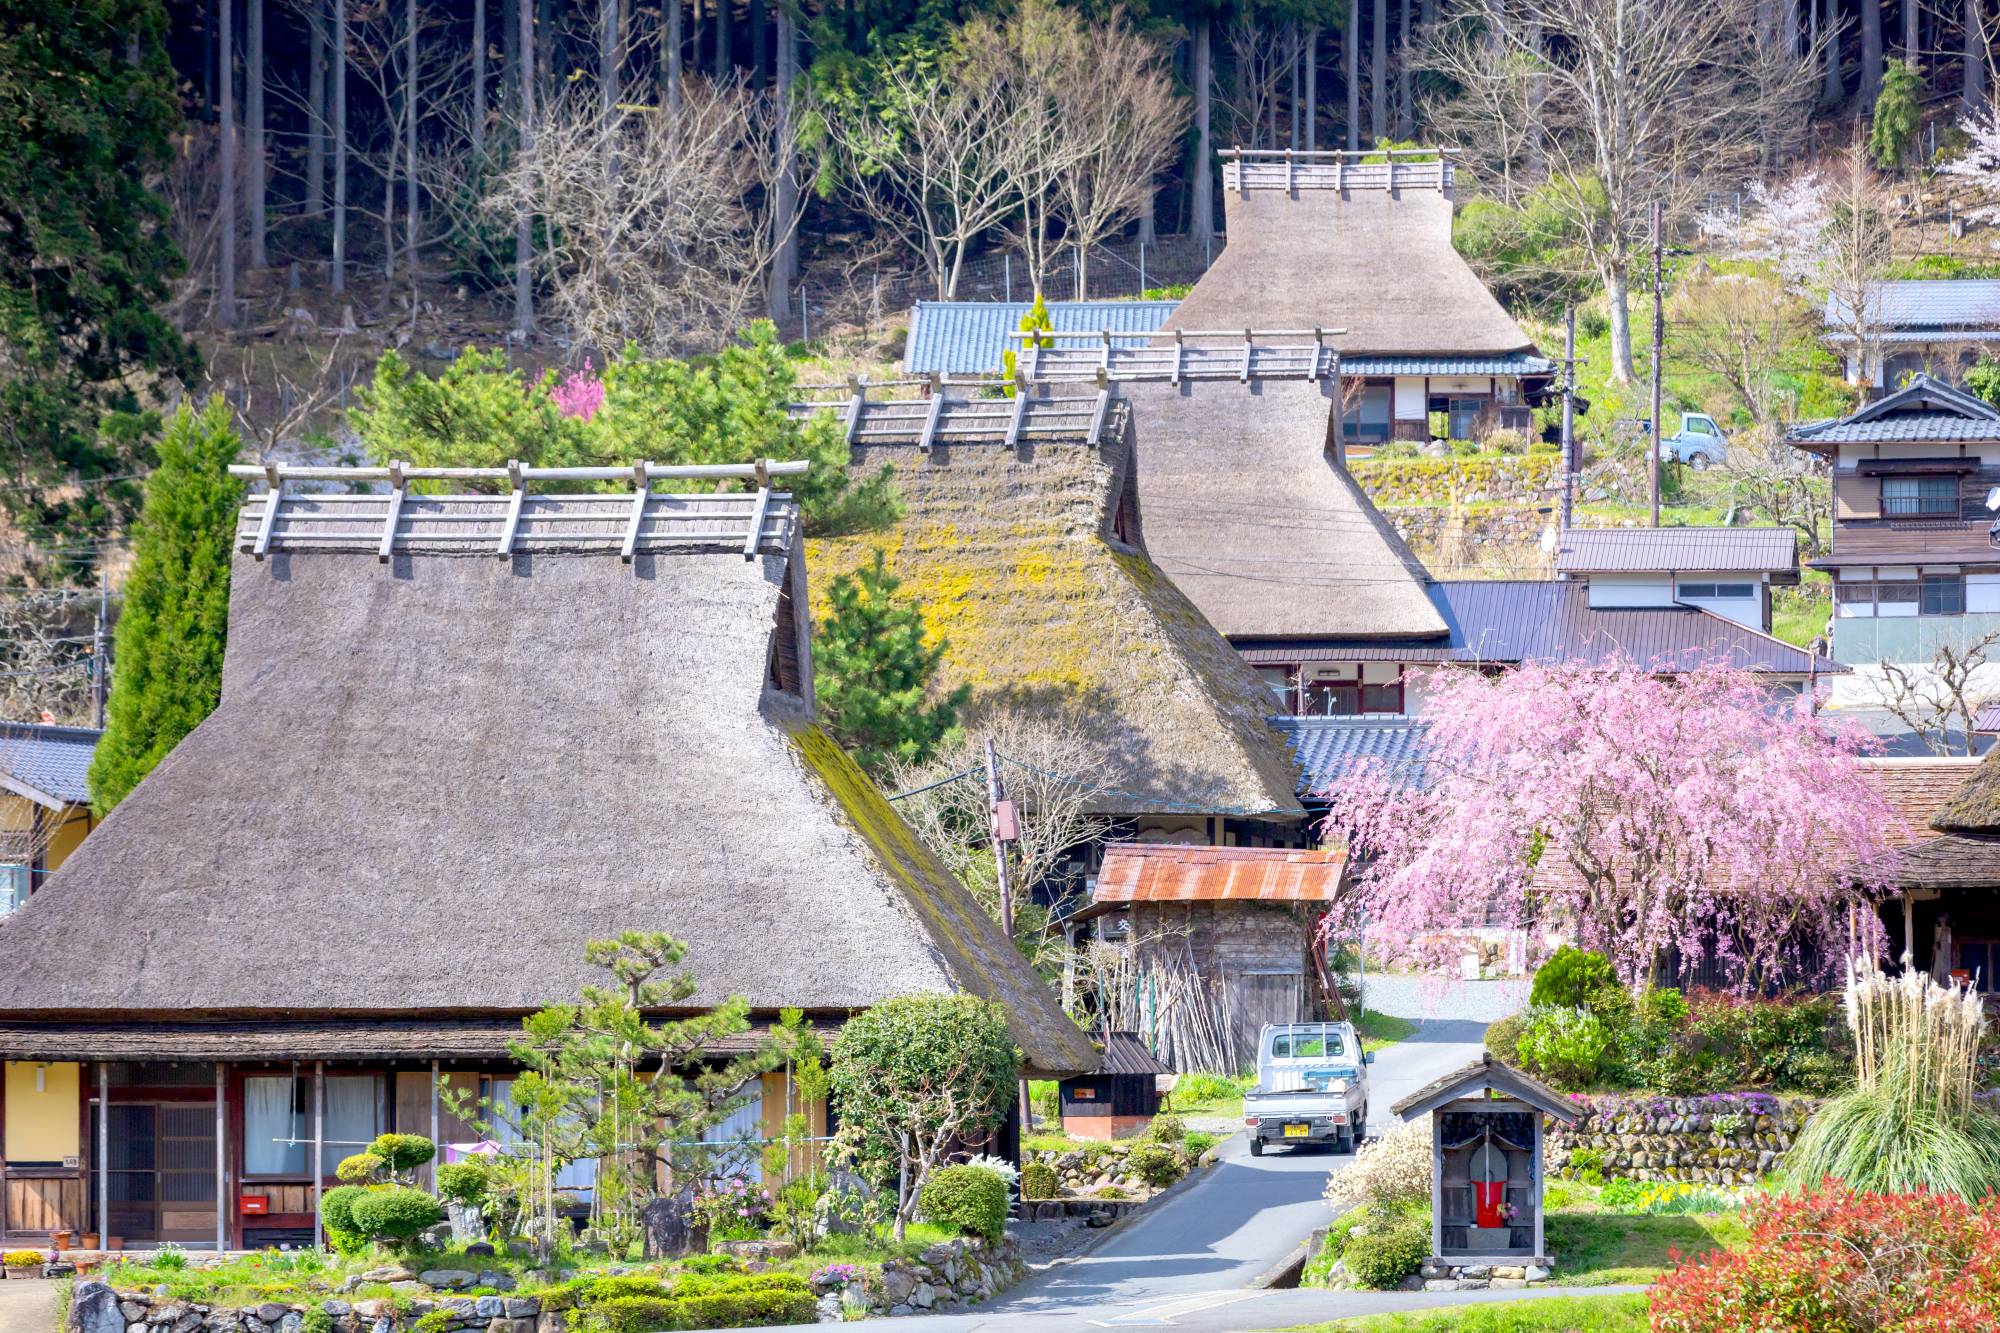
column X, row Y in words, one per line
column 167, row 663
column 873, row 668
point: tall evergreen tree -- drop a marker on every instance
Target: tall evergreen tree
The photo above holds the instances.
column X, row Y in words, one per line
column 167, row 660
column 873, row 667
column 88, row 113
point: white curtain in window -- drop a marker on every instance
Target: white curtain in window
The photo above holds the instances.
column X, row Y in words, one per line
column 744, row 1132
column 353, row 1117
column 270, row 1114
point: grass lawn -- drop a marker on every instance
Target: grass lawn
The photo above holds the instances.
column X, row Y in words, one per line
column 1798, row 615
column 1379, row 1030
column 1605, row 1249
column 1553, row 1314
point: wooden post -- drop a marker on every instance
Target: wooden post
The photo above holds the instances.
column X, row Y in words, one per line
column 1437, row 1185
column 1540, row 1184
column 103, row 1155
column 1659, row 337
column 221, row 1157
column 318, row 1153
column 436, row 1147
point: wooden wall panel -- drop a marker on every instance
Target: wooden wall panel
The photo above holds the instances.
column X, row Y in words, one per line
column 42, row 1204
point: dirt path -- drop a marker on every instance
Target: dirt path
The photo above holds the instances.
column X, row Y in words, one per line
column 27, row 1307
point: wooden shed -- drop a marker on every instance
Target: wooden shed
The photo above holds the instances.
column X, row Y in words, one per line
column 1486, row 1161
column 1121, row 1098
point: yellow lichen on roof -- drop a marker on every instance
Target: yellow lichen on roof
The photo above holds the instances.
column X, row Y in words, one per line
column 1007, row 554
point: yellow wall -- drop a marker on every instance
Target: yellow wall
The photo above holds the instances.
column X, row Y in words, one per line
column 775, row 1110
column 68, row 837
column 43, row 1126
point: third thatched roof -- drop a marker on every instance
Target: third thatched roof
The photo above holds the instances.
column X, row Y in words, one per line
column 1011, row 553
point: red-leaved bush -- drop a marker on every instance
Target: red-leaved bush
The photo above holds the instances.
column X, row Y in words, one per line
column 1837, row 1261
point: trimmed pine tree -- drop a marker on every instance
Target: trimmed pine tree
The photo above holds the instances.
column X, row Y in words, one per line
column 873, row 666
column 167, row 659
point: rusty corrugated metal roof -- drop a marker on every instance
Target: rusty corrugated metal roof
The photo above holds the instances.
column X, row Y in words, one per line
column 1667, row 550
column 1141, row 872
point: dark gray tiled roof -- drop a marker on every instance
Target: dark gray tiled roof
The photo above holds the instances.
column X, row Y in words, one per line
column 1330, row 748
column 1961, row 303
column 1650, row 550
column 969, row 337
column 53, row 760
column 1906, row 427
column 1922, row 410
column 1509, row 621
column 1512, row 363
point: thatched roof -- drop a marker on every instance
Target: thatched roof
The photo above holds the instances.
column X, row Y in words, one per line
column 1011, row 554
column 1377, row 263
column 431, row 781
column 1244, row 508
column 1975, row 806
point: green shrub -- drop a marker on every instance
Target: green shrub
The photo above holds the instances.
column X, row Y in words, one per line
column 1155, row 1163
column 463, row 1182
column 969, row 1199
column 403, row 1153
column 1197, row 1144
column 1167, row 1129
column 635, row 1314
column 595, row 1290
column 1038, row 1181
column 1569, row 976
column 1199, row 1088
column 1391, row 1248
column 398, row 1213
column 1564, row 1044
column 359, row 1168
column 1046, row 1097
column 336, row 1211
column 1586, row 1165
column 437, row 1321
column 1503, row 1036
column 725, row 1300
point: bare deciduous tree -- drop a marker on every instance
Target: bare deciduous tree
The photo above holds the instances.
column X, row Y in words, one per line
column 1742, row 329
column 929, row 157
column 45, row 665
column 1637, row 111
column 1051, row 771
column 1938, row 700
column 1781, row 485
column 659, row 227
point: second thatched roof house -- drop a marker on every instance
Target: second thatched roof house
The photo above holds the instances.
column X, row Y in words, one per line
column 459, row 738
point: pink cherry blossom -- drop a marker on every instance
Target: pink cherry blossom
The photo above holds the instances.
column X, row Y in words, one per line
column 580, row 394
column 1641, row 815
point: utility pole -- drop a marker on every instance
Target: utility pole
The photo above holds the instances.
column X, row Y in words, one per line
column 97, row 678
column 1569, row 421
column 1659, row 340
column 1006, row 828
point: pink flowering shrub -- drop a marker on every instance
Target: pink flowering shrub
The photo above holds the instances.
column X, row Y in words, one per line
column 1648, row 816
column 580, row 394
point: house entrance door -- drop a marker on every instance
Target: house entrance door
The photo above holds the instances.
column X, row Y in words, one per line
column 162, row 1171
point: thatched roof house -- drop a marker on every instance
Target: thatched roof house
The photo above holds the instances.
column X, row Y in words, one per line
column 1026, row 558
column 1946, row 839
column 435, row 775
column 1353, row 251
column 1247, row 509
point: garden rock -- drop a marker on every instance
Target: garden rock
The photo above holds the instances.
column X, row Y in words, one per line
column 1535, row 1273
column 270, row 1312
column 134, row 1310
column 488, row 1307
column 337, row 1309
column 93, row 1308
column 897, row 1284
column 449, row 1279
column 391, row 1273
column 769, row 1250
column 669, row 1226
column 480, row 1249
column 499, row 1281
column 924, row 1297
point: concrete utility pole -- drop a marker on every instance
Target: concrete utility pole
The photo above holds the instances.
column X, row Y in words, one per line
column 1006, row 828
column 1569, row 420
column 1659, row 341
column 97, row 677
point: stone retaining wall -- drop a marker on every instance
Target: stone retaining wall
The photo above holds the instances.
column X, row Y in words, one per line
column 945, row 1278
column 1729, row 1138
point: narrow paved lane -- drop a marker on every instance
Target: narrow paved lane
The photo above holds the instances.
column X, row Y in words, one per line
column 1197, row 1253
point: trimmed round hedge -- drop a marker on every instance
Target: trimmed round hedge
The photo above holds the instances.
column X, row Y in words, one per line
column 970, row 1199
column 1381, row 1258
column 395, row 1214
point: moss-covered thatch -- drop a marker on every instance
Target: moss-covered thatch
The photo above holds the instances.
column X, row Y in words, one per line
column 1975, row 808
column 1009, row 552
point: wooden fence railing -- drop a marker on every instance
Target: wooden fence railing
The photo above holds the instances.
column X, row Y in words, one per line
column 1392, row 170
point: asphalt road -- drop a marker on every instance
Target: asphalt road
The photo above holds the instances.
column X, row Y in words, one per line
column 1189, row 1261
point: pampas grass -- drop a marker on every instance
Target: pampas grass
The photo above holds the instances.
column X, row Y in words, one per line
column 1911, row 1121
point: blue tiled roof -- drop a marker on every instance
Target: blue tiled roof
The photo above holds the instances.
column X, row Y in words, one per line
column 53, row 760
column 1956, row 303
column 968, row 337
column 1330, row 748
column 1513, row 363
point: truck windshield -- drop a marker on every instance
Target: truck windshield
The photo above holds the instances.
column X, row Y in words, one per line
column 1306, row 1045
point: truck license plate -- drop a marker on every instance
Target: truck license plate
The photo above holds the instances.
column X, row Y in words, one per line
column 1297, row 1131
